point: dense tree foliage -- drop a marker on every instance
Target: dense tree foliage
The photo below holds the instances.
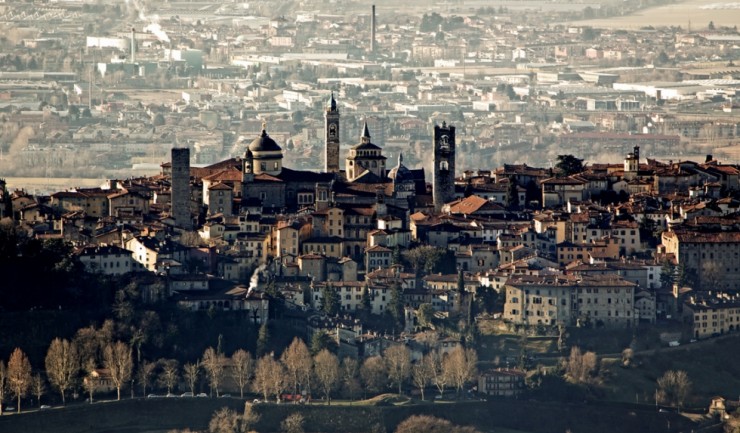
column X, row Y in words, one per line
column 569, row 164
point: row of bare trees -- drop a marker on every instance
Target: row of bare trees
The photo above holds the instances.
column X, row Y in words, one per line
column 298, row 373
column 70, row 364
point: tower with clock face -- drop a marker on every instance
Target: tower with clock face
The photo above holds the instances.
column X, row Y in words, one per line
column 331, row 128
column 443, row 182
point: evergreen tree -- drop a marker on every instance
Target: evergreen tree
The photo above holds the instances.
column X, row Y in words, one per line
column 569, row 164
column 513, row 195
column 460, row 281
column 667, row 275
column 306, row 295
column 330, row 302
column 395, row 304
column 365, row 303
column 263, row 340
column 396, row 257
column 320, row 340
column 7, row 206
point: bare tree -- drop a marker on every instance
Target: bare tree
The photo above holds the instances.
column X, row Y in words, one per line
column 374, row 374
column 250, row 417
column 91, row 342
column 268, row 377
column 117, row 359
column 580, row 367
column 422, row 373
column 627, row 355
column 170, row 373
column 38, row 385
column 674, row 387
column 213, row 363
column 398, row 364
column 224, row 420
column 241, row 369
column 297, row 362
column 191, row 373
column 19, row 375
column 459, row 366
column 62, row 365
column 144, row 375
column 3, row 383
column 90, row 381
column 439, row 378
column 350, row 372
column 428, row 424
column 326, row 369
column 293, row 423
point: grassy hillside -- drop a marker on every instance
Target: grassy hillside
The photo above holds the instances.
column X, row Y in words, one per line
column 711, row 365
column 136, row 416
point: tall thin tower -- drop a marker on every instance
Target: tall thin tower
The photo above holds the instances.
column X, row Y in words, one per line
column 372, row 30
column 331, row 137
column 133, row 45
column 443, row 181
column 181, row 188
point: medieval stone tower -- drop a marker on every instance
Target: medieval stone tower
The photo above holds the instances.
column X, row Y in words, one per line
column 181, row 188
column 331, row 129
column 443, row 181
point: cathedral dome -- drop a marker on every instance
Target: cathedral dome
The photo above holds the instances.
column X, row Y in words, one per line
column 400, row 174
column 264, row 143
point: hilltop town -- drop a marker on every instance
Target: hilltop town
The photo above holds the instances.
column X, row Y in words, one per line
column 550, row 210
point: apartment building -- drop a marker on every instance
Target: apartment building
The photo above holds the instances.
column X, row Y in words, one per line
column 596, row 300
column 710, row 318
column 713, row 257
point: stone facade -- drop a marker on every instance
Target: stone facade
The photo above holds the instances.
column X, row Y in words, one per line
column 443, row 175
column 331, row 125
column 181, row 188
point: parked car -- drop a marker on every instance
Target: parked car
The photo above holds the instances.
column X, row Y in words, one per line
column 202, row 394
column 225, row 395
column 153, row 396
column 187, row 394
column 45, row 406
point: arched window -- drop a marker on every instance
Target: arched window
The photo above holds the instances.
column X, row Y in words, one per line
column 444, row 166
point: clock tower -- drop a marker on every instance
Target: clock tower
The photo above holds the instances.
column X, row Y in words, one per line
column 331, row 129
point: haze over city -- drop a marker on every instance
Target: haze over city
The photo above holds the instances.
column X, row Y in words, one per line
column 339, row 216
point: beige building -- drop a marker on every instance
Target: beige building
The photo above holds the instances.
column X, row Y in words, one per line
column 92, row 201
column 350, row 295
column 606, row 300
column 712, row 257
column 712, row 319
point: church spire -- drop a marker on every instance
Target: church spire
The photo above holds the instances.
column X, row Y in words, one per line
column 365, row 134
column 332, row 105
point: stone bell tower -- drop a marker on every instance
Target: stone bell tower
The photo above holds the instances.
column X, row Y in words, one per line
column 443, row 180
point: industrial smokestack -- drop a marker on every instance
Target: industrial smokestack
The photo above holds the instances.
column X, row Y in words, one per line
column 372, row 30
column 133, row 45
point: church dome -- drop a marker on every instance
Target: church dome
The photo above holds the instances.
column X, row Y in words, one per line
column 400, row 174
column 264, row 143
